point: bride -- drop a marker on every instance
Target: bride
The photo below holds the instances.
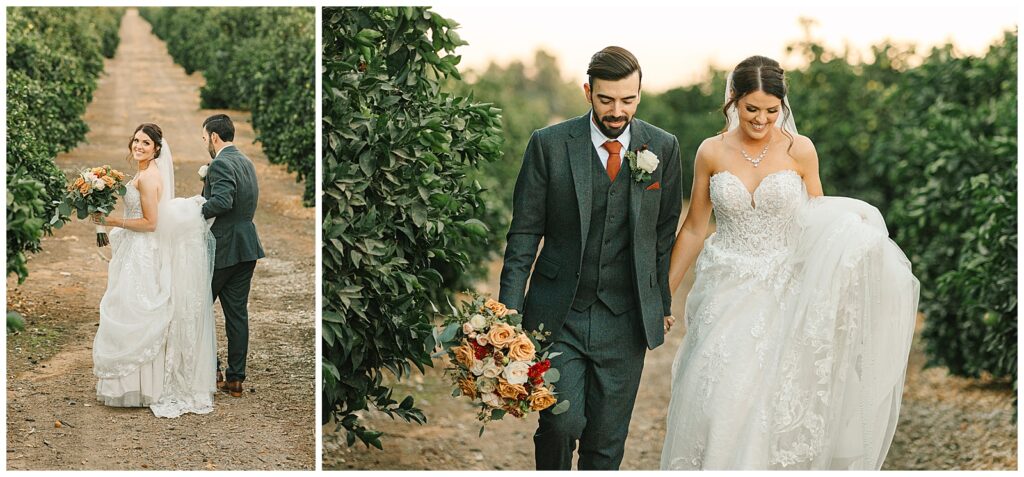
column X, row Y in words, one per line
column 800, row 319
column 155, row 345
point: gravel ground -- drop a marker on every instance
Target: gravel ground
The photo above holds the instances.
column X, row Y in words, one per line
column 946, row 423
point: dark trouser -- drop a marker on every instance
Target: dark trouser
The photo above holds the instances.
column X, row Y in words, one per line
column 600, row 365
column 231, row 286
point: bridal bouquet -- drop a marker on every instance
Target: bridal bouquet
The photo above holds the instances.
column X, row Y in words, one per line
column 93, row 192
column 495, row 363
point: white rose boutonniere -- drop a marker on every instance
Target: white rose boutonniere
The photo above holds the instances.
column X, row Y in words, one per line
column 642, row 163
column 202, row 171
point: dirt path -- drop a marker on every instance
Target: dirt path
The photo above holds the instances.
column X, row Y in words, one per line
column 945, row 423
column 49, row 365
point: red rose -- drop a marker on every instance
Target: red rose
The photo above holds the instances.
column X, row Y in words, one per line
column 537, row 370
column 479, row 351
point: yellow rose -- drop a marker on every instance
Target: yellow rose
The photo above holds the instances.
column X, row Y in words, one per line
column 510, row 391
column 521, row 349
column 496, row 307
column 541, row 399
column 501, row 334
column 468, row 387
column 464, row 355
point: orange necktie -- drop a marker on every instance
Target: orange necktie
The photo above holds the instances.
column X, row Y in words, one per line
column 614, row 160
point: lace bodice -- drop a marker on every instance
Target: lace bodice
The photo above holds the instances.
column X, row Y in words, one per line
column 755, row 224
column 132, row 202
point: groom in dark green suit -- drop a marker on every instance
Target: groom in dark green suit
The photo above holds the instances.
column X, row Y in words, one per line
column 600, row 282
column 232, row 192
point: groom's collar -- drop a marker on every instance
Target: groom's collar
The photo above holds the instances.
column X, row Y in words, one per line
column 222, row 150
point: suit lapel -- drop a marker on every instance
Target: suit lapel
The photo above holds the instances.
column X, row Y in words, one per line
column 636, row 189
column 579, row 148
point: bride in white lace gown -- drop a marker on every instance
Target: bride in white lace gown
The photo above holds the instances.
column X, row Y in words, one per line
column 800, row 319
column 155, row 345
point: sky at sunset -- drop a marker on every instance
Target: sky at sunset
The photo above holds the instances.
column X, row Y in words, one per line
column 676, row 45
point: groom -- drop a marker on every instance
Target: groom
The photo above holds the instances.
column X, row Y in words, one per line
column 600, row 284
column 232, row 192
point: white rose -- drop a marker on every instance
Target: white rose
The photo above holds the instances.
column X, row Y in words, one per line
column 202, row 171
column 89, row 177
column 517, row 372
column 491, row 369
column 486, row 385
column 647, row 161
column 98, row 184
column 478, row 322
column 467, row 328
column 492, row 400
column 477, row 368
column 481, row 339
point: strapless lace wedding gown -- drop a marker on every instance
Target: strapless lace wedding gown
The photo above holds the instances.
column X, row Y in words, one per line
column 155, row 345
column 798, row 330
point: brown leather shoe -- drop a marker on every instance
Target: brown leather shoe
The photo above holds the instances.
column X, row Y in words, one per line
column 220, row 380
column 234, row 388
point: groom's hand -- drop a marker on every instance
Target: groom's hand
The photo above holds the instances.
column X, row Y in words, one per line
column 669, row 321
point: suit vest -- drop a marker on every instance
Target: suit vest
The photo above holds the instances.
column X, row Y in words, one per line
column 606, row 273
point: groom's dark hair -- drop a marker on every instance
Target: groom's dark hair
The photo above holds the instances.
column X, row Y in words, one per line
column 611, row 64
column 222, row 125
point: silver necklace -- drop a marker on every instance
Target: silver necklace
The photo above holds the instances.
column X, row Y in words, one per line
column 760, row 157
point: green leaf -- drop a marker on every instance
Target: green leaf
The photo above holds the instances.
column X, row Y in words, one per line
column 560, row 408
column 551, row 376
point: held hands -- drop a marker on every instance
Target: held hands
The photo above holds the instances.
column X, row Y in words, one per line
column 669, row 321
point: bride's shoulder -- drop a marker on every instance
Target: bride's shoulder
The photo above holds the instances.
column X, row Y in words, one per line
column 149, row 177
column 803, row 149
column 711, row 147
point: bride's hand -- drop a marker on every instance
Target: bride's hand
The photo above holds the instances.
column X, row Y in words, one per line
column 669, row 321
column 97, row 218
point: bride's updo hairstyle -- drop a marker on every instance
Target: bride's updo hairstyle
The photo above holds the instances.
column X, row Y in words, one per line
column 153, row 131
column 757, row 73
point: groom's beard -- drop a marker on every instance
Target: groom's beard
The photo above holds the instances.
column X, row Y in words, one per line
column 209, row 148
column 612, row 133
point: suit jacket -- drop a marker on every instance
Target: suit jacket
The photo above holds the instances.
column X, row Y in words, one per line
column 552, row 201
column 231, row 193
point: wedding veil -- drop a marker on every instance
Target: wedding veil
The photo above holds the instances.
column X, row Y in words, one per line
column 165, row 163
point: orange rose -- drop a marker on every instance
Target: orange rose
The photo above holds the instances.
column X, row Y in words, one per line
column 468, row 387
column 109, row 181
column 118, row 174
column 501, row 334
column 464, row 355
column 98, row 171
column 541, row 399
column 84, row 188
column 510, row 391
column 521, row 349
column 496, row 307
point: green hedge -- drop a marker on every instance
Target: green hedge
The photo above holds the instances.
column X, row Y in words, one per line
column 399, row 203
column 952, row 149
column 54, row 56
column 257, row 59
